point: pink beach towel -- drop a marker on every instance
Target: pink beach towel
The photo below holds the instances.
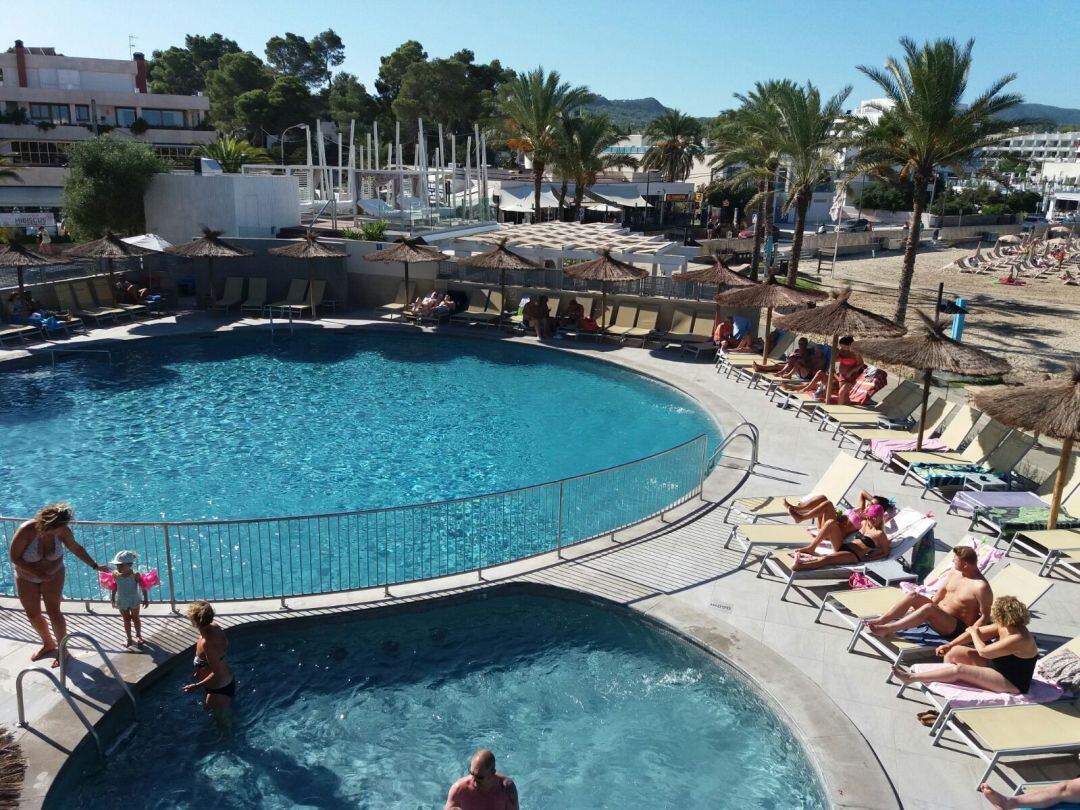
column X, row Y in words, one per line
column 961, row 697
column 884, row 448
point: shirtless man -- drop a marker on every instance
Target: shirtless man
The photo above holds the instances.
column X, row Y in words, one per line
column 1049, row 796
column 963, row 601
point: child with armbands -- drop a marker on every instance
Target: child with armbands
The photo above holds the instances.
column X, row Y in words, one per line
column 126, row 584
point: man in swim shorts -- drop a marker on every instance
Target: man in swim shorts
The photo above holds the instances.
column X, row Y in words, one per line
column 963, row 601
column 484, row 788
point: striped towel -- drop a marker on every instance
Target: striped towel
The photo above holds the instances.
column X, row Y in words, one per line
column 946, row 475
column 1024, row 518
column 884, row 448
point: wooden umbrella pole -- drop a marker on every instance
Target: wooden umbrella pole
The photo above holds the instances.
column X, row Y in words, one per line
column 603, row 305
column 21, row 277
column 408, row 298
column 832, row 368
column 922, row 410
column 502, row 293
column 1059, row 482
column 765, row 342
column 311, row 288
column 210, row 281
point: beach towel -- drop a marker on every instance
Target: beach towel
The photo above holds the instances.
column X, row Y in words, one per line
column 869, row 383
column 960, row 696
column 966, row 502
column 884, row 448
column 1024, row 518
column 946, row 475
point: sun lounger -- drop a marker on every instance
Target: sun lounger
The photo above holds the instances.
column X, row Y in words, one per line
column 294, row 297
column 624, row 321
column 742, row 363
column 645, row 326
column 65, row 294
column 1048, row 544
column 107, row 298
column 937, row 412
column 256, row 297
column 1018, row 731
column 232, row 295
column 854, row 608
column 897, row 406
column 952, row 432
column 978, row 450
column 682, row 323
column 402, row 299
column 968, row 501
column 318, row 290
column 17, row 332
column 834, row 485
column 998, row 465
column 753, row 536
column 85, row 299
column 479, row 309
column 885, row 570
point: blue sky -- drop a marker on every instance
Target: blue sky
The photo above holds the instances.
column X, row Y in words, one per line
column 690, row 55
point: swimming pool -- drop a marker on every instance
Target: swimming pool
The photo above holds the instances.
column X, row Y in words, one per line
column 239, row 426
column 585, row 707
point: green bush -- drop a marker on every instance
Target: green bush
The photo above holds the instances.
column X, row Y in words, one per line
column 368, row 231
column 105, row 184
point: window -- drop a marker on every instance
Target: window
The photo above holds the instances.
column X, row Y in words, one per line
column 125, row 116
column 38, row 153
column 163, row 118
column 175, row 156
column 56, row 113
column 82, row 113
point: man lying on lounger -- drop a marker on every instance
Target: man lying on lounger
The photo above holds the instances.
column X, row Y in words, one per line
column 963, row 601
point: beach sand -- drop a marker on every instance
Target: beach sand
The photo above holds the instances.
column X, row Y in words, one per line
column 1036, row 327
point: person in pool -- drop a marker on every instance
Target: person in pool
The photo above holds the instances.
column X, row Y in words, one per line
column 484, row 788
column 1001, row 657
column 37, row 555
column 963, row 601
column 211, row 673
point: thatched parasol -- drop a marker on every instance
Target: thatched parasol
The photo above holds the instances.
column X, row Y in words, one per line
column 500, row 258
column 209, row 246
column 1062, row 229
column 1050, row 408
column 724, row 277
column 768, row 295
column 309, row 248
column 108, row 247
column 927, row 349
column 837, row 318
column 407, row 251
column 604, row 269
column 15, row 254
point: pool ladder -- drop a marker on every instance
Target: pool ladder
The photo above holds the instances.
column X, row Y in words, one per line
column 61, row 685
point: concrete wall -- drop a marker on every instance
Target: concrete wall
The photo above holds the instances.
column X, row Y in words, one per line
column 178, row 206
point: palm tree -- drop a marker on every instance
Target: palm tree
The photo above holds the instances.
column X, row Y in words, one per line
column 747, row 139
column 811, row 133
column 676, row 141
column 926, row 125
column 232, row 153
column 584, row 141
column 531, row 106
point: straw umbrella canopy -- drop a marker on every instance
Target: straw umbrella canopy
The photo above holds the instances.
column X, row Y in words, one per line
column 768, row 295
column 1050, row 408
column 209, row 246
column 837, row 318
column 407, row 251
column 309, row 248
column 15, row 254
column 108, row 247
column 500, row 258
column 724, row 277
column 1011, row 239
column 1062, row 229
column 605, row 269
column 927, row 348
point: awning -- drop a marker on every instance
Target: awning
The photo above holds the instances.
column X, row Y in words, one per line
column 520, row 199
column 625, row 196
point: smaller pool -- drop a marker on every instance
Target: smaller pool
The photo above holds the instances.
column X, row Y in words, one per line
column 585, row 706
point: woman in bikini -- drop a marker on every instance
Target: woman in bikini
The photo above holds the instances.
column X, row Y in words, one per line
column 211, row 673
column 835, row 525
column 1001, row 657
column 868, row 542
column 37, row 554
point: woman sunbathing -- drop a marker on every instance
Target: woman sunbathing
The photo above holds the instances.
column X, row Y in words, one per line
column 868, row 542
column 1001, row 657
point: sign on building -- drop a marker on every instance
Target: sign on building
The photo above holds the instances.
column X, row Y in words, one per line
column 28, row 220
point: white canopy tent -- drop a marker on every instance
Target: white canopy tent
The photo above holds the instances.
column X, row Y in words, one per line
column 150, row 241
column 520, row 199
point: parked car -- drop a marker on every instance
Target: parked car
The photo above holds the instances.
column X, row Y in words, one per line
column 854, row 225
column 747, row 233
column 1033, row 221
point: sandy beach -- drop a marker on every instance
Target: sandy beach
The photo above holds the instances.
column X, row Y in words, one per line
column 1034, row 326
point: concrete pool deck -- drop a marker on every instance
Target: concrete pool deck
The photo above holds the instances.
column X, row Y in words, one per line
column 676, row 572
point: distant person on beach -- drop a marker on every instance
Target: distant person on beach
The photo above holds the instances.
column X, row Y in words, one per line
column 484, row 788
column 37, row 555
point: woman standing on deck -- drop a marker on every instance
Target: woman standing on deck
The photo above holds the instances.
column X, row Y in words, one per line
column 37, row 555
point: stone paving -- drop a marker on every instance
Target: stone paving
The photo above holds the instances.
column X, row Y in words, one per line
column 676, row 570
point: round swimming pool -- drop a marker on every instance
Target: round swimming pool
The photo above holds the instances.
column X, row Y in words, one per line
column 239, row 425
column 585, row 707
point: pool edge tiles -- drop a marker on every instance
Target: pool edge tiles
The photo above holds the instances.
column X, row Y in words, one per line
column 661, row 624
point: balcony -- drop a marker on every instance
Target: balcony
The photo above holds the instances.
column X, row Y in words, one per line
column 182, row 136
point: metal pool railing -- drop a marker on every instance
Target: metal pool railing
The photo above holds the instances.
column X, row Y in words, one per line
column 277, row 558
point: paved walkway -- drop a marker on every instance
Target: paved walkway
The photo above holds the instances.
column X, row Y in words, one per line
column 663, row 568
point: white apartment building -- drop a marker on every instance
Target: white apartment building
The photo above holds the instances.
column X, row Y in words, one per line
column 1039, row 146
column 48, row 101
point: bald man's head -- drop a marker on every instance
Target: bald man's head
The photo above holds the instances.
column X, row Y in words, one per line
column 483, row 763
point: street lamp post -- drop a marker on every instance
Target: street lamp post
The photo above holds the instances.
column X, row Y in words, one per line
column 282, row 139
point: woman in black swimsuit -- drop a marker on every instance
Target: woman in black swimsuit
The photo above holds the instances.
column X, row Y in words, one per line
column 1001, row 659
column 211, row 673
column 868, row 543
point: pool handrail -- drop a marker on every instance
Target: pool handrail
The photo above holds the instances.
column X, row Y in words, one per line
column 64, row 655
column 63, row 693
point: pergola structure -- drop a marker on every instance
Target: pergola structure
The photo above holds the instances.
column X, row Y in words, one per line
column 558, row 241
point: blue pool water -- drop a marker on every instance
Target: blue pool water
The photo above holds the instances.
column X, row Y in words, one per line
column 585, row 707
column 238, row 426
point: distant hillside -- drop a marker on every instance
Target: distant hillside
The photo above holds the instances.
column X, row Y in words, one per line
column 630, row 113
column 1061, row 116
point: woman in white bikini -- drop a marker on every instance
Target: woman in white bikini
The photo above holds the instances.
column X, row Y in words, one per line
column 37, row 554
